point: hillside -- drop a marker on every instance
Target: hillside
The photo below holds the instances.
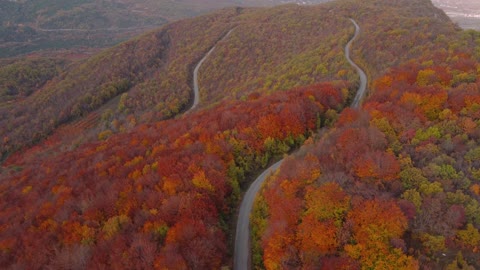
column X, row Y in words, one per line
column 247, row 62
column 152, row 74
column 19, row 78
column 103, row 169
column 135, row 66
column 168, row 188
column 155, row 67
column 394, row 185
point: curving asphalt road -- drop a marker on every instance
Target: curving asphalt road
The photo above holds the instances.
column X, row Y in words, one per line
column 242, row 236
column 362, row 89
column 242, row 260
column 196, row 89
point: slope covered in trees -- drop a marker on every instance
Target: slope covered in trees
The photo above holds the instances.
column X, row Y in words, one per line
column 150, row 77
column 154, row 69
column 159, row 196
column 19, row 78
column 393, row 185
column 277, row 49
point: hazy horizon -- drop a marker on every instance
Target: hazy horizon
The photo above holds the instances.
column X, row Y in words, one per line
column 464, row 12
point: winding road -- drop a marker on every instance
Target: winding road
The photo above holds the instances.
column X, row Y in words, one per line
column 242, row 236
column 362, row 89
column 196, row 88
column 242, row 260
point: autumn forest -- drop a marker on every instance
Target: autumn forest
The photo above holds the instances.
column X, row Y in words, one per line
column 103, row 165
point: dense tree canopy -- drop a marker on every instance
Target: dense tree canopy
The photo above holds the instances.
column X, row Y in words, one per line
column 160, row 195
column 111, row 175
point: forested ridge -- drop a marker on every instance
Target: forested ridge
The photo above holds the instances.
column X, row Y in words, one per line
column 101, row 169
column 149, row 78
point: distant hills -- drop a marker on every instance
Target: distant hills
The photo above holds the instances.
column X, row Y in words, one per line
column 36, row 25
column 42, row 26
column 464, row 12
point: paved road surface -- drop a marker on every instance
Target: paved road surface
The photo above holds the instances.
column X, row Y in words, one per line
column 242, row 260
column 362, row 89
column 196, row 91
column 242, row 237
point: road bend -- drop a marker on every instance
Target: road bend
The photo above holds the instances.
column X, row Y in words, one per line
column 362, row 89
column 196, row 88
column 242, row 258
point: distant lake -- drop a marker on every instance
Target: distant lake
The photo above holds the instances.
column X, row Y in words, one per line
column 464, row 12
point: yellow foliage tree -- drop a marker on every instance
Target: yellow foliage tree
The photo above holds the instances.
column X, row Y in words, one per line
column 200, row 181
